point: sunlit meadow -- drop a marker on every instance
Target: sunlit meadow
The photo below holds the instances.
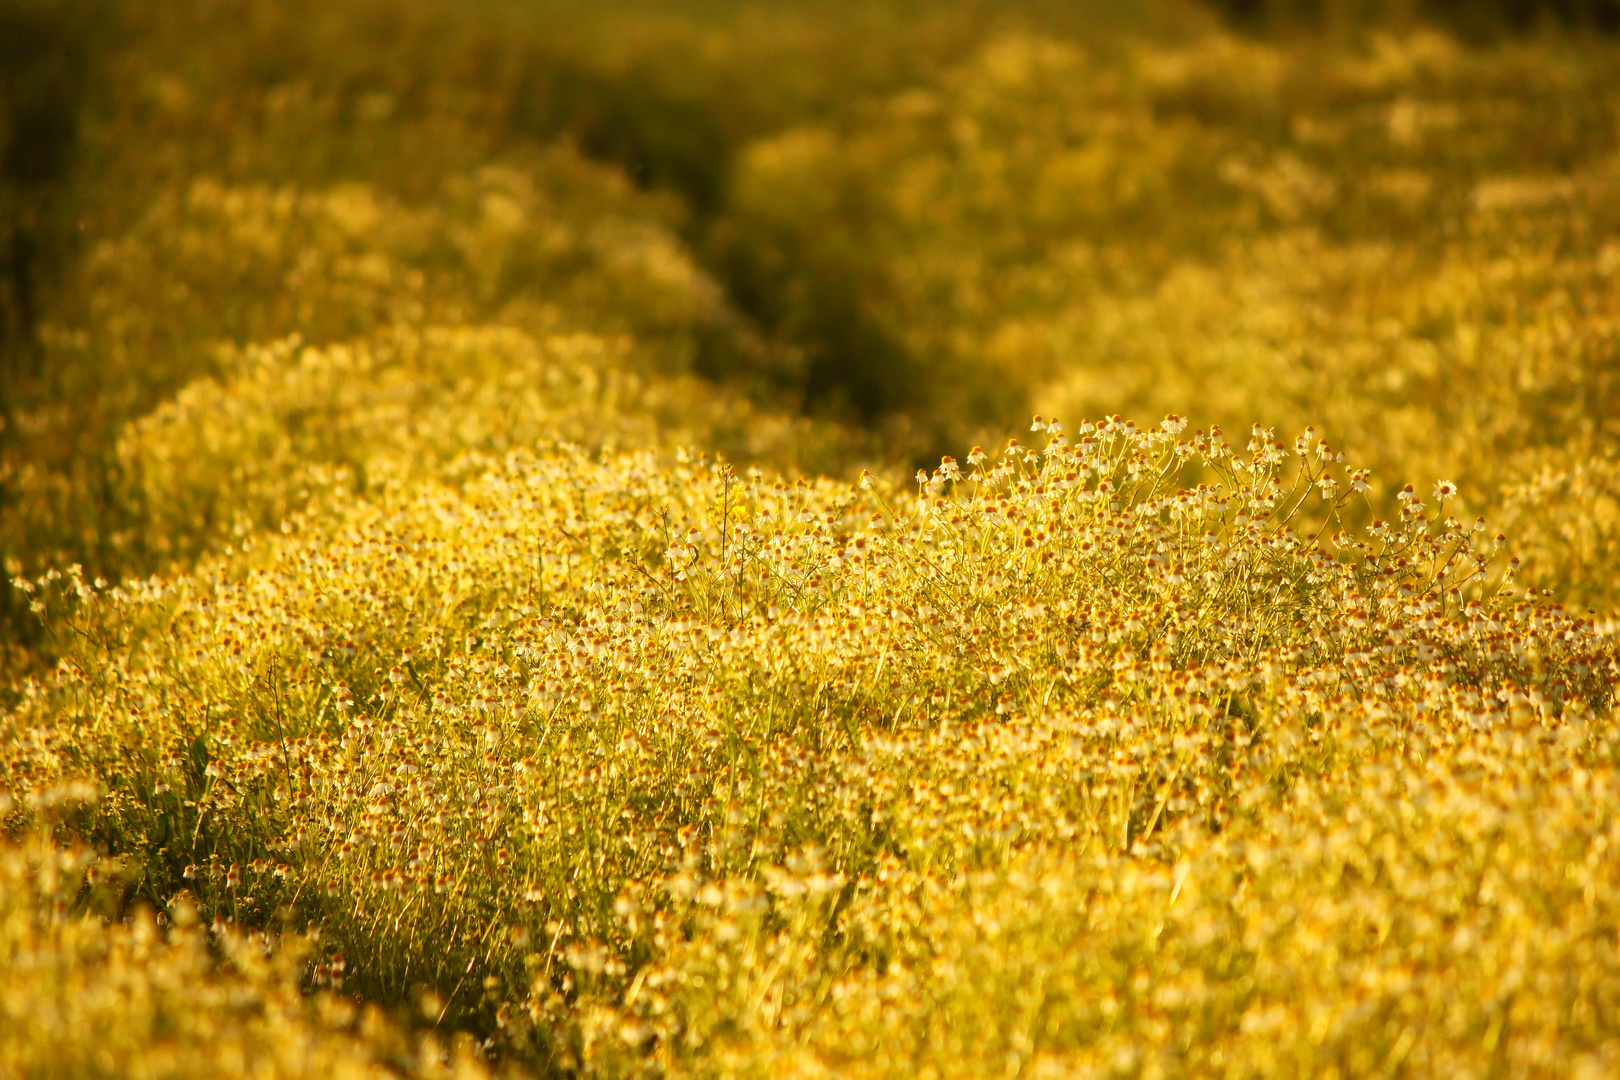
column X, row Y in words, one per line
column 492, row 621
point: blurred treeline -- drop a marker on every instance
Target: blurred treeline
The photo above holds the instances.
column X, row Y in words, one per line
column 854, row 208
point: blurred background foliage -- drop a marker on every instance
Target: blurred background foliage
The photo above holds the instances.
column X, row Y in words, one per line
column 1390, row 218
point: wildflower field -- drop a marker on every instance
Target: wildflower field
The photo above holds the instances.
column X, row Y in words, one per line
column 527, row 553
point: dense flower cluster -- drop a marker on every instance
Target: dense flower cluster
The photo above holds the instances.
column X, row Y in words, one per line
column 227, row 457
column 642, row 762
column 210, row 276
column 162, row 996
column 1409, row 245
column 588, row 717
